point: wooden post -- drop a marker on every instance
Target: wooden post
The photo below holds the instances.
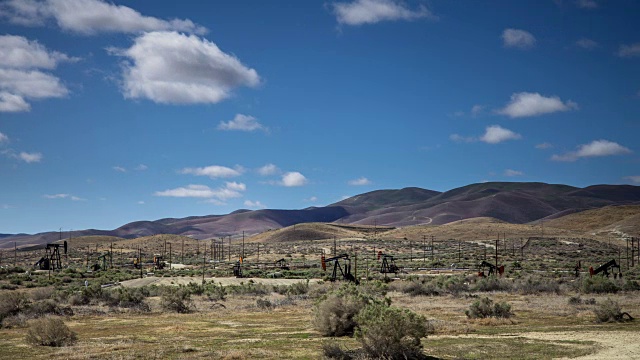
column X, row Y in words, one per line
column 140, row 260
column 15, row 254
column 355, row 259
column 424, row 250
column 229, row 248
column 334, row 247
column 459, row 252
column 170, row 263
column 111, row 256
column 243, row 244
column 411, row 252
column 182, row 251
column 258, row 254
column 203, row 268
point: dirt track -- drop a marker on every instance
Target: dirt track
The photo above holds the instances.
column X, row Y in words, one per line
column 225, row 281
column 613, row 344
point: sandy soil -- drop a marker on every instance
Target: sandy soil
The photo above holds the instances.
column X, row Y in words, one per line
column 613, row 344
column 225, row 281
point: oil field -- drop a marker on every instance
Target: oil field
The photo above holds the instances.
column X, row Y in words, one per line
column 319, row 179
column 510, row 291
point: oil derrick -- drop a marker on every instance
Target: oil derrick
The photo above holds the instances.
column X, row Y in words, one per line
column 344, row 270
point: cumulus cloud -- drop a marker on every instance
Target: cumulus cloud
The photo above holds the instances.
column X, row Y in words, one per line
column 214, row 171
column 90, row 17
column 174, row 68
column 587, row 44
column 634, row 179
column 236, row 186
column 30, row 157
column 141, row 167
column 242, row 123
column 525, row 104
column 20, row 77
column 200, row 191
column 359, row 182
column 495, row 134
column 596, row 148
column 516, row 38
column 632, row 50
column 292, row 179
column 511, row 173
column 361, row 12
column 312, row 199
column 3, row 138
column 119, row 169
column 254, row 204
column 268, row 169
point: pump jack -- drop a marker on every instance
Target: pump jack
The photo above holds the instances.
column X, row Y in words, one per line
column 281, row 264
column 388, row 264
column 102, row 263
column 237, row 268
column 604, row 269
column 492, row 269
column 51, row 259
column 345, row 271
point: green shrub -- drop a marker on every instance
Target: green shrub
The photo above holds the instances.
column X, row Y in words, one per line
column 176, row 299
column 599, row 285
column 331, row 350
column 536, row 285
column 631, row 285
column 485, row 307
column 50, row 331
column 12, row 303
column 390, row 333
column 334, row 316
column 492, row 284
column 264, row 304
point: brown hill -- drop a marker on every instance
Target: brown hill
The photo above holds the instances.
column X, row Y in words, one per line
column 308, row 231
column 620, row 219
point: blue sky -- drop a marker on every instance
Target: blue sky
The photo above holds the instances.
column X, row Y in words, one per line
column 112, row 112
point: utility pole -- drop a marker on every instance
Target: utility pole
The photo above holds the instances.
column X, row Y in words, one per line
column 15, row 253
column 497, row 257
column 170, row 262
column 459, row 252
column 229, row 248
column 111, row 256
column 334, row 247
column 140, row 260
column 432, row 248
column 243, row 244
column 204, row 264
column 182, row 251
column 411, row 251
column 424, row 250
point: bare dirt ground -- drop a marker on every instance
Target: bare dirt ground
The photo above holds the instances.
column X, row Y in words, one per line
column 613, row 344
column 225, row 281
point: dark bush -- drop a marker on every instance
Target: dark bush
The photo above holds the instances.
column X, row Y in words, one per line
column 492, row 284
column 537, row 285
column 176, row 299
column 609, row 311
column 12, row 303
column 50, row 331
column 334, row 316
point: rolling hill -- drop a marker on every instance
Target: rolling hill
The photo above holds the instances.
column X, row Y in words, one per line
column 509, row 202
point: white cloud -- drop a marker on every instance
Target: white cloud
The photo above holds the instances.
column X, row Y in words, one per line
column 634, row 179
column 29, row 157
column 242, row 123
column 312, row 199
column 200, row 191
column 496, row 134
column 511, row 173
column 361, row 12
column 254, row 204
column 140, row 202
column 360, row 181
column 119, row 169
column 56, row 196
column 544, row 146
column 13, row 103
column 516, row 38
column 214, row 171
column 20, row 78
column 526, row 104
column 595, row 148
column 76, row 198
column 21, row 53
column 268, row 169
column 587, row 44
column 292, row 179
column 236, row 186
column 3, row 138
column 629, row 50
column 141, row 167
column 174, row 68
column 89, row 17
column 587, row 4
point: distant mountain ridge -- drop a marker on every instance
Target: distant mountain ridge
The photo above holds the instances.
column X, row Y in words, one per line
column 511, row 202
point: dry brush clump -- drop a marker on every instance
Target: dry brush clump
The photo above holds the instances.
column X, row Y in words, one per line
column 485, row 308
column 610, row 311
column 50, row 331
